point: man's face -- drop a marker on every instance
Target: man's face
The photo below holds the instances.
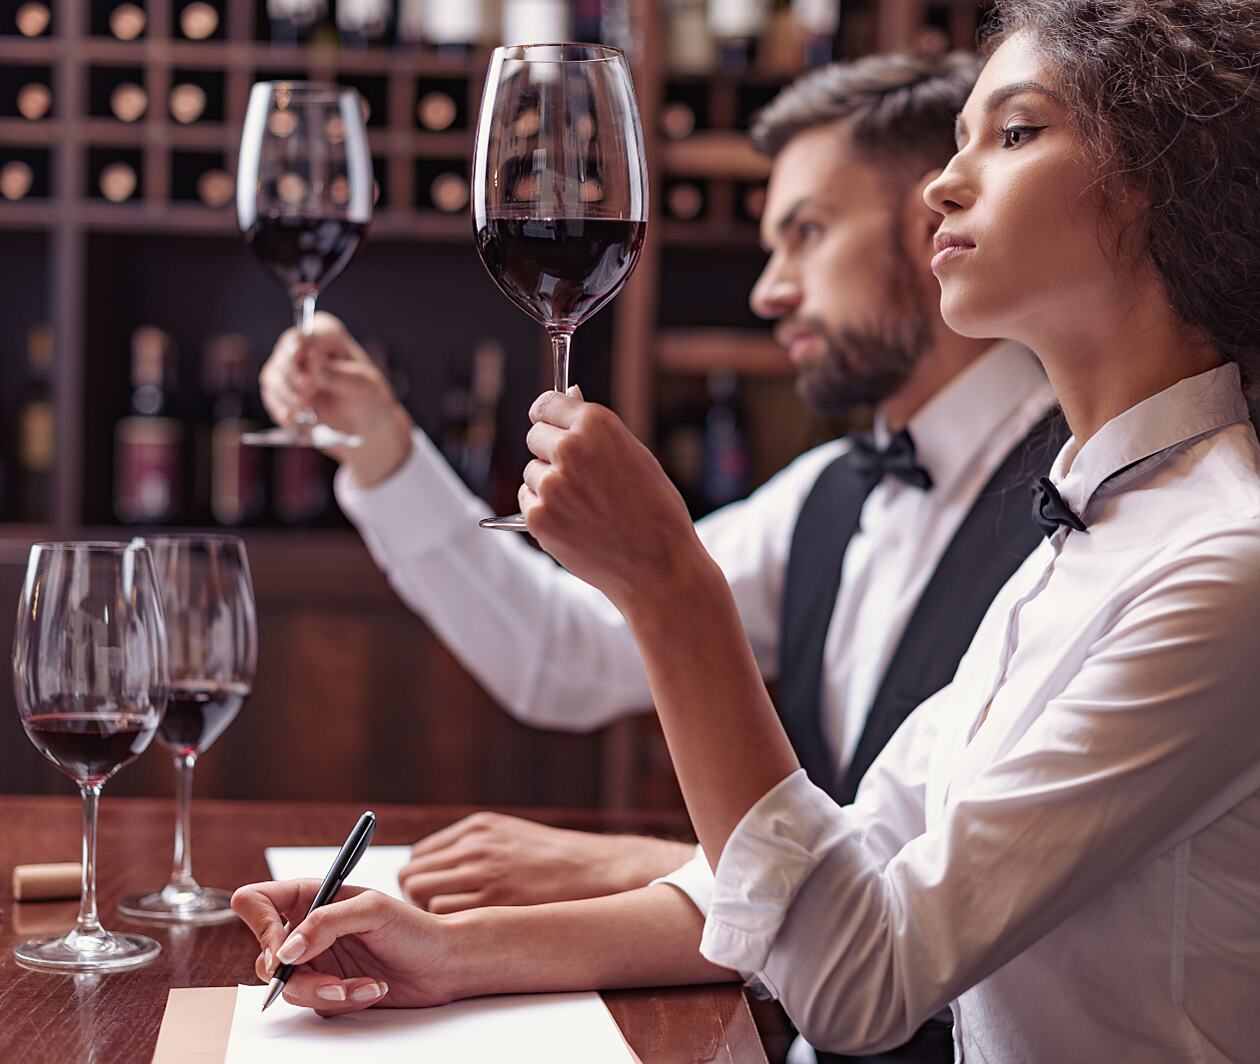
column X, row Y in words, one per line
column 852, row 308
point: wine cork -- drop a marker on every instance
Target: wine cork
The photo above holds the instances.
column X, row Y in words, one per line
column 46, row 882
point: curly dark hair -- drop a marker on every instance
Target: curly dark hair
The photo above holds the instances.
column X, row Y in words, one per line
column 1166, row 96
column 899, row 108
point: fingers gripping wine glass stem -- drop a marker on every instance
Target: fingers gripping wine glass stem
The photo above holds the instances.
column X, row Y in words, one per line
column 88, row 923
column 181, row 865
column 560, row 340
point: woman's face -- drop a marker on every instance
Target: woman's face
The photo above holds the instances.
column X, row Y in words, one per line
column 1031, row 253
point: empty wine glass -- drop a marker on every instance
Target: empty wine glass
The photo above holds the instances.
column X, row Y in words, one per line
column 303, row 200
column 90, row 675
column 213, row 639
column 560, row 193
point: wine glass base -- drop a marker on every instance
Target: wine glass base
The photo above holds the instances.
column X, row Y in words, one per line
column 513, row 523
column 202, row 906
column 107, row 951
column 301, row 436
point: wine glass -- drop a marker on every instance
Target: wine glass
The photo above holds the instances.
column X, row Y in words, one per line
column 90, row 675
column 303, row 200
column 560, row 192
column 213, row 638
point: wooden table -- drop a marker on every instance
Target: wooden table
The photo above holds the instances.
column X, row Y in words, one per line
column 114, row 1019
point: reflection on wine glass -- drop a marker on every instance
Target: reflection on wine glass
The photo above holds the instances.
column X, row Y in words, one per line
column 560, row 192
column 90, row 675
column 213, row 638
column 303, row 201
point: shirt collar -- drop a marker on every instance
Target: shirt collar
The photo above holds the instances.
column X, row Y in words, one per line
column 980, row 399
column 1190, row 408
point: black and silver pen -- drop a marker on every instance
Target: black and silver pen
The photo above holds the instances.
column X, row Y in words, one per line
column 355, row 846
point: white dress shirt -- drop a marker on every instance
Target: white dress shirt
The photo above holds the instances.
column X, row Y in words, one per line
column 1063, row 842
column 555, row 653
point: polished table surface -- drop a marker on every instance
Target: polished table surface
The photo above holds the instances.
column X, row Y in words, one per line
column 114, row 1019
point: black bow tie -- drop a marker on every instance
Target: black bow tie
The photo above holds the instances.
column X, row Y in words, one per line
column 895, row 460
column 1050, row 511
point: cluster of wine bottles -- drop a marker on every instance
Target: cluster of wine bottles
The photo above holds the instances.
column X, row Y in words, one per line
column 26, row 469
column 704, row 443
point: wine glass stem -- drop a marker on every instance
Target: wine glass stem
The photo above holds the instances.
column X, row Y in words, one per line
column 304, row 313
column 560, row 339
column 87, row 923
column 181, row 865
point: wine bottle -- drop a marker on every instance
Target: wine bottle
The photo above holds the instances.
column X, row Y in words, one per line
column 678, row 120
column 681, row 448
column 35, row 443
column 34, row 101
column 118, row 182
column 215, row 188
column 535, row 21
column 437, row 111
column 127, row 22
column 235, row 481
column 148, row 443
column 128, row 102
column 362, row 22
column 690, row 47
column 295, row 20
column 449, row 192
column 16, row 179
column 737, row 24
column 819, row 20
column 301, row 485
column 187, row 103
column 33, row 19
column 586, row 21
column 198, row 21
column 684, row 200
column 454, row 27
column 726, row 459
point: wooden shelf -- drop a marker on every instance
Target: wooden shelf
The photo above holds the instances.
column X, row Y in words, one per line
column 746, row 351
column 28, row 214
column 23, row 133
column 715, row 154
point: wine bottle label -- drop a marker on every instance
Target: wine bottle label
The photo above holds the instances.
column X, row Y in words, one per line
column 236, row 486
column 35, row 437
column 690, row 44
column 301, row 492
column 737, row 18
column 147, row 460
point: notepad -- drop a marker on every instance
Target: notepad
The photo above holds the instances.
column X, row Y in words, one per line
column 523, row 1028
column 377, row 868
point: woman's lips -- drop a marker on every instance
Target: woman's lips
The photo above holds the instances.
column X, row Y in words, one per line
column 950, row 253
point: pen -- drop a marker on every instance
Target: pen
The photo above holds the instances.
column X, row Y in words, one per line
column 343, row 864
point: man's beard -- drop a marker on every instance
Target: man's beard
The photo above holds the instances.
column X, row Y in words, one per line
column 864, row 365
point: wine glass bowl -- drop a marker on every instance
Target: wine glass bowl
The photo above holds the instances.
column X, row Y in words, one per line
column 91, row 678
column 560, row 193
column 212, row 632
column 303, row 202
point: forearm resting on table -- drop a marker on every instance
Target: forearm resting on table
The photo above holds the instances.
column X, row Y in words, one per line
column 724, row 736
column 644, row 937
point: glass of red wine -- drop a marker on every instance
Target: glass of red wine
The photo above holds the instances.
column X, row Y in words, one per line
column 91, row 678
column 213, row 637
column 304, row 195
column 560, row 194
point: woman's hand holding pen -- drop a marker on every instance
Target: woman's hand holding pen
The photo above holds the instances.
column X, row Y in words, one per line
column 598, row 502
column 362, row 950
column 329, row 372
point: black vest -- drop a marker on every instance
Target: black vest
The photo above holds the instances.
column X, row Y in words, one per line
column 990, row 544
column 994, row 538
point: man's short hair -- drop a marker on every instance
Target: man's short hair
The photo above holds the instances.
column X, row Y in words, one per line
column 898, row 110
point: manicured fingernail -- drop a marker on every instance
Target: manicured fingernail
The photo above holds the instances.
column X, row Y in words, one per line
column 294, row 946
column 370, row 992
column 267, row 959
column 332, row 992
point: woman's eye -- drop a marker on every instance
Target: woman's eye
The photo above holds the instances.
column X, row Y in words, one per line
column 1014, row 136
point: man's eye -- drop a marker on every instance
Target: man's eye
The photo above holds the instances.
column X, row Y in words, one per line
column 1016, row 136
column 807, row 229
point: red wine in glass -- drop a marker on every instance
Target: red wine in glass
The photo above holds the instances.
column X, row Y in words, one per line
column 560, row 270
column 197, row 713
column 90, row 747
column 304, row 253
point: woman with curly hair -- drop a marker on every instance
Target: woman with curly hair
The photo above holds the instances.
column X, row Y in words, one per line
column 1060, row 846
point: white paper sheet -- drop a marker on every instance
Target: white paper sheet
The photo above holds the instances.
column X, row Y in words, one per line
column 522, row 1028
column 378, row 868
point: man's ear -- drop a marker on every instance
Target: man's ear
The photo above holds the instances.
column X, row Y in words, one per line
column 919, row 221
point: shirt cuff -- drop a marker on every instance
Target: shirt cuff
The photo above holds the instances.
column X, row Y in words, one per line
column 767, row 858
column 416, row 508
column 695, row 879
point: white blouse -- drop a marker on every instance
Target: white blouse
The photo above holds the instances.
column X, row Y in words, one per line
column 1064, row 844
